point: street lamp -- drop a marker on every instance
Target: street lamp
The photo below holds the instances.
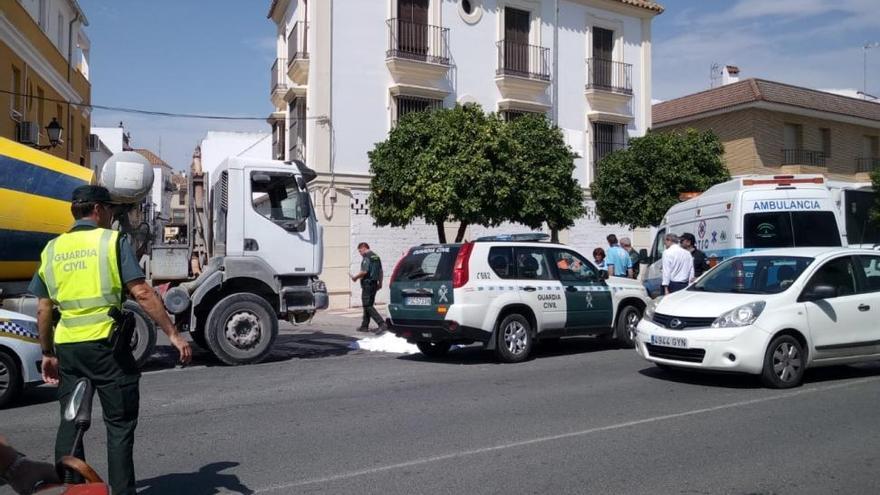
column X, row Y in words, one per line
column 867, row 46
column 54, row 130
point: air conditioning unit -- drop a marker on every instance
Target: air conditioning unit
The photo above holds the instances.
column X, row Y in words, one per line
column 28, row 133
column 94, row 142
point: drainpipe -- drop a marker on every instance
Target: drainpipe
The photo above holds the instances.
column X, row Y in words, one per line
column 73, row 21
column 556, row 63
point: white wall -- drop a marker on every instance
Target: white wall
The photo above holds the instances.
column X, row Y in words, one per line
column 217, row 146
column 111, row 136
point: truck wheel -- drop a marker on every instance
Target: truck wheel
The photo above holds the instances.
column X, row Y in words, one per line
column 143, row 343
column 434, row 349
column 241, row 329
column 10, row 379
column 626, row 325
column 514, row 339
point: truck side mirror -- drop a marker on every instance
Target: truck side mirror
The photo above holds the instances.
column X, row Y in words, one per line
column 644, row 258
column 305, row 204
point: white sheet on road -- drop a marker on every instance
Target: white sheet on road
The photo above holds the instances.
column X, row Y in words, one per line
column 387, row 342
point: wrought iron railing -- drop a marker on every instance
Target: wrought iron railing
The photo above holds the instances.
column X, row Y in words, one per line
column 298, row 42
column 279, row 75
column 803, row 157
column 609, row 75
column 415, row 41
column 519, row 59
column 867, row 164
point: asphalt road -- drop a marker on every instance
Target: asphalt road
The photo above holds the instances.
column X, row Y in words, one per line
column 579, row 418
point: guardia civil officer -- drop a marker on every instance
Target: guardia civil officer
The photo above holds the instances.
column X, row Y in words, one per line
column 84, row 273
column 371, row 281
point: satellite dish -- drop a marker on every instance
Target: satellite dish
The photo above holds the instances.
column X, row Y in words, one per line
column 128, row 176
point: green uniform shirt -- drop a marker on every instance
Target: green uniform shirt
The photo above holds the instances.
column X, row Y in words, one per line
column 372, row 266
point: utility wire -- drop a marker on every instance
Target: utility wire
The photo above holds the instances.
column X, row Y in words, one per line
column 146, row 112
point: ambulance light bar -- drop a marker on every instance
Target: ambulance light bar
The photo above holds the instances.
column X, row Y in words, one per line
column 783, row 180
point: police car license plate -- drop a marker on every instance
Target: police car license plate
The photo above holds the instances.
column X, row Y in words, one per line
column 418, row 301
column 678, row 342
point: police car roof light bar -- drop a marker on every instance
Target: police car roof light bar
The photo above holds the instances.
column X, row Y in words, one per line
column 527, row 237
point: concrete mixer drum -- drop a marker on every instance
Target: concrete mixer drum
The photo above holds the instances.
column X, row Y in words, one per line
column 128, row 176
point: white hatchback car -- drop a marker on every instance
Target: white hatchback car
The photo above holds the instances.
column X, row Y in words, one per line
column 20, row 355
column 772, row 313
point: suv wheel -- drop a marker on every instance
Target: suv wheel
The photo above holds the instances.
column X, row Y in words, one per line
column 784, row 363
column 514, row 339
column 434, row 349
column 626, row 325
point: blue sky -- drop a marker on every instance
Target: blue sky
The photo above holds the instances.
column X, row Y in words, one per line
column 181, row 56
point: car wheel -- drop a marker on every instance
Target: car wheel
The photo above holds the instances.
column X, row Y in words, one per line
column 784, row 363
column 434, row 349
column 514, row 339
column 241, row 329
column 143, row 342
column 10, row 379
column 626, row 325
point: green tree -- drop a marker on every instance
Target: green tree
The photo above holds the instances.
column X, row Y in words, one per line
column 541, row 166
column 875, row 181
column 637, row 185
column 437, row 166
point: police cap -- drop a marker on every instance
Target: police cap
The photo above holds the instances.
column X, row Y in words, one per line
column 91, row 194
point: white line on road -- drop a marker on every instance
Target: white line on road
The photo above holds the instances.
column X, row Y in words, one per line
column 522, row 443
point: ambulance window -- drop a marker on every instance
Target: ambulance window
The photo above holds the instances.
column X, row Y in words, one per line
column 768, row 230
column 501, row 262
column 815, row 228
column 531, row 264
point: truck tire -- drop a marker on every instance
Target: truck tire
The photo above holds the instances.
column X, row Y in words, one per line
column 143, row 343
column 10, row 379
column 241, row 329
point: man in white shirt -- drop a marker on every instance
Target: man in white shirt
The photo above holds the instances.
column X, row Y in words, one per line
column 678, row 265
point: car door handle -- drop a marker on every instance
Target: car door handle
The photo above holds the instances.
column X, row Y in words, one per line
column 529, row 288
column 571, row 288
column 864, row 307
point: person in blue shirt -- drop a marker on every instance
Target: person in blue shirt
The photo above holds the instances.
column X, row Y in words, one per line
column 618, row 262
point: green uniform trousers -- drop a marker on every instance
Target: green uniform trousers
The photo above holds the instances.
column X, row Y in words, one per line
column 120, row 397
column 368, row 299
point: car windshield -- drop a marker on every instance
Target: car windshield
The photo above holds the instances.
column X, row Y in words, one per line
column 753, row 275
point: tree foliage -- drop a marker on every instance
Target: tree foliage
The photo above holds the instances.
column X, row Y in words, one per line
column 462, row 165
column 637, row 185
column 875, row 181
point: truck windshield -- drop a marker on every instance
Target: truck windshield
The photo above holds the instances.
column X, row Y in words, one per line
column 790, row 229
column 277, row 196
column 753, row 275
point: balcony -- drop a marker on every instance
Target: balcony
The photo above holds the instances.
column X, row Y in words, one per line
column 523, row 75
column 797, row 156
column 278, row 82
column 608, row 75
column 867, row 165
column 298, row 53
column 418, row 58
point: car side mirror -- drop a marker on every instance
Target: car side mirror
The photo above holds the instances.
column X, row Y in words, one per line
column 819, row 292
column 644, row 257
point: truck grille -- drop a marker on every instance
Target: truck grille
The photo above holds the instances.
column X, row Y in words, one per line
column 685, row 322
column 675, row 354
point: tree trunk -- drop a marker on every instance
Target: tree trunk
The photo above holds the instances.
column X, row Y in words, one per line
column 462, row 227
column 554, row 235
column 441, row 233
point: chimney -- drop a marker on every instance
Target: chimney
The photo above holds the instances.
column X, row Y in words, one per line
column 729, row 75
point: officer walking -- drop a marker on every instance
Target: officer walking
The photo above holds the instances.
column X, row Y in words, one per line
column 82, row 273
column 371, row 281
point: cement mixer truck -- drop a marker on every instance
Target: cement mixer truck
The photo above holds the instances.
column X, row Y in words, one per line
column 260, row 243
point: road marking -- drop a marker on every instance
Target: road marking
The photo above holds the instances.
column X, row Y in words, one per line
column 533, row 441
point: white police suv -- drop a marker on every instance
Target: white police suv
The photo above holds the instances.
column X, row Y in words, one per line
column 507, row 292
column 20, row 355
column 771, row 313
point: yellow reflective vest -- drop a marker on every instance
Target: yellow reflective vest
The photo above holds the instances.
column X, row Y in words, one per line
column 81, row 272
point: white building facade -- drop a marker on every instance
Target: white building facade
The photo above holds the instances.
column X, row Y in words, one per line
column 346, row 70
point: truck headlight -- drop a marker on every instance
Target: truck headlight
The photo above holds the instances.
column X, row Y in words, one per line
column 739, row 317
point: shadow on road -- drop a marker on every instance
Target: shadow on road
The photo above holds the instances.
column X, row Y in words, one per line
column 34, row 396
column 736, row 380
column 287, row 346
column 208, row 480
column 476, row 354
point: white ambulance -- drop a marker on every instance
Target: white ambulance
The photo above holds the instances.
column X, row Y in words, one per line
column 759, row 212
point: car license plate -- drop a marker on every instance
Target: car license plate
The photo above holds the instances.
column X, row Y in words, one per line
column 418, row 301
column 678, row 342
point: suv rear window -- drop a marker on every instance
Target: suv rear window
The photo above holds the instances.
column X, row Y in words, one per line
column 429, row 263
